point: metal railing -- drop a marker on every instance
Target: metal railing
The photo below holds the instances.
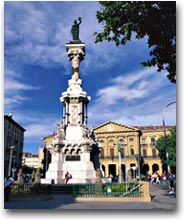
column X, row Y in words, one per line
column 107, row 190
column 28, row 191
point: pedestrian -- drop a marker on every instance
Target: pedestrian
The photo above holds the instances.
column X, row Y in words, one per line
column 154, row 178
column 171, row 182
column 7, row 187
column 67, row 177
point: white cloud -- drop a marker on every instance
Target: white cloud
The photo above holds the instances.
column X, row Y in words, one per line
column 37, row 125
column 13, row 101
column 130, row 87
column 35, row 38
column 14, row 89
column 134, row 99
column 11, row 85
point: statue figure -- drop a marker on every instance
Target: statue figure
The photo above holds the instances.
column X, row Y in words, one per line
column 37, row 176
column 75, row 29
column 20, row 179
column 98, row 176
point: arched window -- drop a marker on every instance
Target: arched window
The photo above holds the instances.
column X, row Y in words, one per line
column 131, row 151
column 122, row 141
column 111, row 141
column 101, row 141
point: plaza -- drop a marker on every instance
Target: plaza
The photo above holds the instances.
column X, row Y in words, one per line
column 160, row 200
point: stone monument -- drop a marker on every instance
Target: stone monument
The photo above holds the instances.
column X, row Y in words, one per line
column 74, row 148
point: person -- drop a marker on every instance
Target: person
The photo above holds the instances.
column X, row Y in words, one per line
column 171, row 182
column 153, row 178
column 7, row 187
column 67, row 177
column 75, row 29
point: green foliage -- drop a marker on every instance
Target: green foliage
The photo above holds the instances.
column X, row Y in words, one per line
column 155, row 20
column 171, row 143
column 27, row 169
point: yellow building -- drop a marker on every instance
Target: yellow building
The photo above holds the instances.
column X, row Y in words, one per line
column 137, row 145
column 48, row 139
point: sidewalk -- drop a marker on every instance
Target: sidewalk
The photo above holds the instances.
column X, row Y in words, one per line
column 159, row 194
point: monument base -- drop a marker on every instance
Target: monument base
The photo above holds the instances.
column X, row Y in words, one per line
column 81, row 171
column 54, row 174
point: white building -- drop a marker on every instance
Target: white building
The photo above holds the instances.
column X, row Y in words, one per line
column 30, row 160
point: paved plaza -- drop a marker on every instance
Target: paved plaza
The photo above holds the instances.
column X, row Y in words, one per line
column 161, row 200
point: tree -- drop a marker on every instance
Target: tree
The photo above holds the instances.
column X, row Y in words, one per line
column 171, row 143
column 155, row 20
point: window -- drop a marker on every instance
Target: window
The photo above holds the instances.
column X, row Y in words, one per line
column 101, row 155
column 111, row 141
column 131, row 139
column 131, row 151
column 122, row 152
column 154, row 154
column 112, row 153
column 144, row 151
column 143, row 140
column 153, row 142
column 122, row 142
column 101, row 141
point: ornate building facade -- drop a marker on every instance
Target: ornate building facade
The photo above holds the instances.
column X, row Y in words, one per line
column 137, row 148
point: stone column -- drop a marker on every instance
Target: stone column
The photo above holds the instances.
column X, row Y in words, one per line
column 76, row 53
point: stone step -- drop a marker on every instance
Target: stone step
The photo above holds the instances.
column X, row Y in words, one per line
column 56, row 188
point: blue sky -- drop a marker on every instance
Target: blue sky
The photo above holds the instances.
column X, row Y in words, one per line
column 37, row 70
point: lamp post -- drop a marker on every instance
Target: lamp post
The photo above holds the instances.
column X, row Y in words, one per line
column 126, row 170
column 165, row 137
column 14, row 169
column 10, row 161
column 119, row 154
column 134, row 171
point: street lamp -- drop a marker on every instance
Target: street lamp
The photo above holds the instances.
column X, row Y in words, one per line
column 134, row 171
column 119, row 154
column 10, row 161
column 165, row 137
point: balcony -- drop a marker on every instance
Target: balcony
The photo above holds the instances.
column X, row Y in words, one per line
column 152, row 144
column 144, row 145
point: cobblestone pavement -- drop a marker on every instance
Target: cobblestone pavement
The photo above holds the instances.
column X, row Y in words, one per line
column 159, row 195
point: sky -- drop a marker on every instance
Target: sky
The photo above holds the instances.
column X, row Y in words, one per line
column 37, row 70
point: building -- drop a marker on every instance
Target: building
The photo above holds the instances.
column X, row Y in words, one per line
column 13, row 145
column 118, row 142
column 30, row 160
column 150, row 134
column 137, row 147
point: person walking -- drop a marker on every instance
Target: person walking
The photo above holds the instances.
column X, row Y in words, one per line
column 67, row 177
column 171, row 182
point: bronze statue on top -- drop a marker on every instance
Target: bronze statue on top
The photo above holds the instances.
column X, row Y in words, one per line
column 75, row 31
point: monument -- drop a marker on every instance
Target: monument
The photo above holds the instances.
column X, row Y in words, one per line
column 74, row 148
